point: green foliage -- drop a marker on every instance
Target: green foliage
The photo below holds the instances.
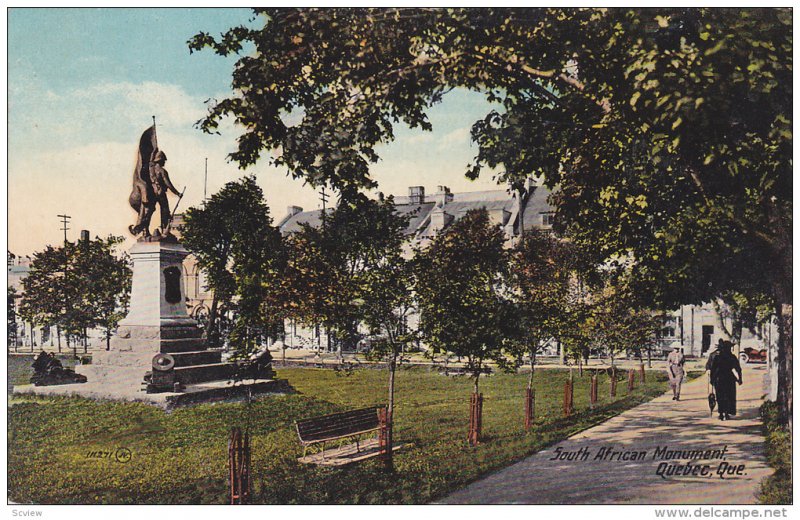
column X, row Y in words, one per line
column 541, row 269
column 461, row 292
column 618, row 322
column 77, row 286
column 181, row 457
column 242, row 254
column 743, row 312
column 349, row 270
column 777, row 488
column 666, row 133
column 106, row 282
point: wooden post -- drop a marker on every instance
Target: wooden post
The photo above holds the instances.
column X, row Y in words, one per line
column 568, row 407
column 475, row 418
column 613, row 382
column 641, row 373
column 529, row 408
column 239, row 466
column 383, row 434
column 631, row 380
column 593, row 391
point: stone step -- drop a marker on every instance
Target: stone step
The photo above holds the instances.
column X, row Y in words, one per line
column 182, row 345
column 197, row 357
column 203, row 373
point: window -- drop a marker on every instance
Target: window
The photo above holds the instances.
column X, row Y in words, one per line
column 547, row 219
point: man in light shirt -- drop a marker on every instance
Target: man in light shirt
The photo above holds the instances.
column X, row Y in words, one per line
column 675, row 362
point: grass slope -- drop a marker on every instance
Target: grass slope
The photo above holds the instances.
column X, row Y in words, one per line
column 777, row 488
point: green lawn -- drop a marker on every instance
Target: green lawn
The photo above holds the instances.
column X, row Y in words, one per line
column 180, row 457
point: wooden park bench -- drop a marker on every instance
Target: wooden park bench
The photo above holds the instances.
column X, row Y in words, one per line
column 339, row 426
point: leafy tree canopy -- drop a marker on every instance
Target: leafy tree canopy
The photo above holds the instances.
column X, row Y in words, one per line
column 334, row 270
column 665, row 133
column 77, row 286
column 668, row 131
column 462, row 292
column 241, row 252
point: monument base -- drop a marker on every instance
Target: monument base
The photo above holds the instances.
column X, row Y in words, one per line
column 130, row 361
column 158, row 347
column 214, row 391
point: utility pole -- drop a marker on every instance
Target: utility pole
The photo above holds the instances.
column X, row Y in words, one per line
column 205, row 181
column 64, row 223
column 324, row 198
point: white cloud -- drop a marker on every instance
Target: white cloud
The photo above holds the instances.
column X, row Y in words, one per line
column 108, row 110
column 420, row 137
column 458, row 137
column 92, row 182
column 172, row 106
column 74, row 152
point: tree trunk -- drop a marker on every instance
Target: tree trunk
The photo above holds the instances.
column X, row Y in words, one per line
column 521, row 214
column 212, row 322
column 476, row 412
column 530, row 397
column 58, row 333
column 785, row 364
column 108, row 339
column 390, row 413
column 533, row 368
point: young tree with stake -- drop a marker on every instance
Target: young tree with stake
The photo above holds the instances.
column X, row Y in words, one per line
column 462, row 295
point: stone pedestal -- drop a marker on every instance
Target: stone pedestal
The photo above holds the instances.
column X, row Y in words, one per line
column 157, row 323
column 158, row 295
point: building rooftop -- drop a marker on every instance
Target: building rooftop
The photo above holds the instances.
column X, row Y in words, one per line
column 502, row 206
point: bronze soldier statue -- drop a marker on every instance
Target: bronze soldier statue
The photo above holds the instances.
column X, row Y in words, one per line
column 150, row 185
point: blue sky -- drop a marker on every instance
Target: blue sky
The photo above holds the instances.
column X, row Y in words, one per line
column 83, row 83
column 62, row 50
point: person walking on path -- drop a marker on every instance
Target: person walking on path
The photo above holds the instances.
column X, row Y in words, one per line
column 722, row 364
column 675, row 372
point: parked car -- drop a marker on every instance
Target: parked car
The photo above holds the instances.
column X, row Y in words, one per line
column 751, row 355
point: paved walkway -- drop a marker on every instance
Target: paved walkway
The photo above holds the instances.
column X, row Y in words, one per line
column 661, row 423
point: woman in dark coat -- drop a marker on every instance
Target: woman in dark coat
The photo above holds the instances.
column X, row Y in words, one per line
column 722, row 365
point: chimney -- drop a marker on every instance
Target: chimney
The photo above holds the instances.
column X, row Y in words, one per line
column 293, row 210
column 440, row 220
column 416, row 194
column 443, row 196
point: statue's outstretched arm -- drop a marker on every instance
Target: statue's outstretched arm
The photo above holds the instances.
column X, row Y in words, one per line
column 168, row 182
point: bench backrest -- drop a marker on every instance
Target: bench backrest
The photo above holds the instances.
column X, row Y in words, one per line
column 337, row 425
